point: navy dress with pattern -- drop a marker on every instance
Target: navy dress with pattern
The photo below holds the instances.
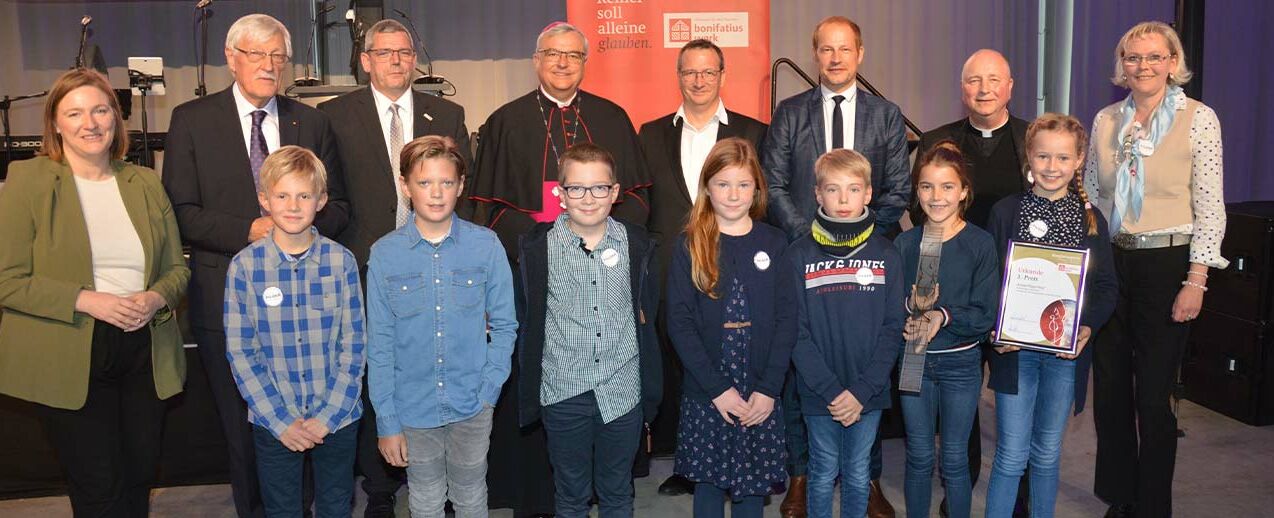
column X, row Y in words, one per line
column 745, row 461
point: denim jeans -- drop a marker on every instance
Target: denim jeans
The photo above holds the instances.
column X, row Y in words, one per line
column 840, row 450
column 949, row 389
column 449, row 463
column 1030, row 425
column 588, row 454
column 280, row 472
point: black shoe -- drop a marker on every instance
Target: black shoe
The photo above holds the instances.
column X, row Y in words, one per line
column 380, row 506
column 676, row 485
column 943, row 511
column 1121, row 511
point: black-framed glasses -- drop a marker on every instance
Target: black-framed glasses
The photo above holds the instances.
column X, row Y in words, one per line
column 384, row 55
column 1153, row 59
column 573, row 56
column 710, row 75
column 576, row 192
column 255, row 56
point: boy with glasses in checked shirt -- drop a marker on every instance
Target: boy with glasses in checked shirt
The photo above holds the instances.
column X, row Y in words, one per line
column 589, row 357
column 294, row 340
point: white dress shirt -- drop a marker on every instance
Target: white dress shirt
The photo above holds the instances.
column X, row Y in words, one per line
column 696, row 143
column 848, row 107
column 269, row 126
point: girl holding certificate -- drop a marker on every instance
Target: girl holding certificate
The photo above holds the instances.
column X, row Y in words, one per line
column 1034, row 390
column 966, row 294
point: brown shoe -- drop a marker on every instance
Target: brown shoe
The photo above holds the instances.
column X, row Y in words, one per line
column 877, row 505
column 793, row 505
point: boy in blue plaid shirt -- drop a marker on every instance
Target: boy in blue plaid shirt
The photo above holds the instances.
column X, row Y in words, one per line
column 294, row 340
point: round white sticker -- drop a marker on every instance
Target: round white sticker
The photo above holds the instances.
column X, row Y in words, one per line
column 610, row 257
column 1038, row 228
column 1145, row 147
column 864, row 276
column 273, row 296
column 761, row 260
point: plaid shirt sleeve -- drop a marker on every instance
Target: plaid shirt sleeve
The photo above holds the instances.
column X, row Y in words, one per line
column 345, row 382
column 243, row 352
column 502, row 324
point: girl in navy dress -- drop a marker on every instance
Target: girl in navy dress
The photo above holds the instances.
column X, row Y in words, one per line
column 1034, row 390
column 733, row 329
column 967, row 294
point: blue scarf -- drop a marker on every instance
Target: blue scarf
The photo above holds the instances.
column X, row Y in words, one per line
column 1130, row 178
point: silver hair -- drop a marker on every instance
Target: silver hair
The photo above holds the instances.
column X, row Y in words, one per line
column 258, row 27
column 560, row 28
column 1178, row 76
column 384, row 27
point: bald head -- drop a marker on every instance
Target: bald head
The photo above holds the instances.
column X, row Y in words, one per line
column 987, row 85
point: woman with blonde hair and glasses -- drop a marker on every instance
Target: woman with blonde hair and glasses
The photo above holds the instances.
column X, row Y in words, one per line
column 90, row 271
column 1154, row 170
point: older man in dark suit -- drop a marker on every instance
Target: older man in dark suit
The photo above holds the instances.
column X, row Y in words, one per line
column 676, row 146
column 372, row 125
column 835, row 114
column 213, row 154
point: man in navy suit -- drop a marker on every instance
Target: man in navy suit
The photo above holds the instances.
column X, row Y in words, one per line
column 835, row 114
column 805, row 126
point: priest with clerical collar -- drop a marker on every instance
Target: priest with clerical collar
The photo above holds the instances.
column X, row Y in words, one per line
column 513, row 184
column 989, row 136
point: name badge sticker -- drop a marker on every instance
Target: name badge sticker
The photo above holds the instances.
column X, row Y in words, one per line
column 761, row 260
column 272, row 296
column 1038, row 228
column 610, row 257
column 1145, row 147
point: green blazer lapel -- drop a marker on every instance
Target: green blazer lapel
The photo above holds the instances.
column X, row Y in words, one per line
column 69, row 216
column 133, row 191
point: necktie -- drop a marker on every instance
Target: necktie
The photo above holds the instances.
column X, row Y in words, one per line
column 257, row 150
column 403, row 212
column 838, row 123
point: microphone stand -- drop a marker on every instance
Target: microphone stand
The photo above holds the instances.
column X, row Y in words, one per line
column 79, row 56
column 310, row 80
column 143, row 84
column 429, row 77
column 5, row 104
column 202, row 55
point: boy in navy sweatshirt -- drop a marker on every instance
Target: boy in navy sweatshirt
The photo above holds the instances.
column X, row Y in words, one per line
column 849, row 329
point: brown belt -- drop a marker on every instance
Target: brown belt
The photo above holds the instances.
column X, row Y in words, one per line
column 736, row 325
column 1127, row 241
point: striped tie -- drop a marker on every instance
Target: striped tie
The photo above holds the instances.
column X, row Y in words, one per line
column 403, row 213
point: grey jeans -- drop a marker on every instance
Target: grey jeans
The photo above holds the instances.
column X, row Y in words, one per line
column 449, row 462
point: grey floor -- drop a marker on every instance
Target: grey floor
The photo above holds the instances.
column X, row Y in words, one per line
column 1224, row 468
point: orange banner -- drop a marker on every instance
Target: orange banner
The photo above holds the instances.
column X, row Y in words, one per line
column 633, row 46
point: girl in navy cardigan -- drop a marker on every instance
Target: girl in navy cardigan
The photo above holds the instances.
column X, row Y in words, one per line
column 1034, row 390
column 733, row 326
column 968, row 289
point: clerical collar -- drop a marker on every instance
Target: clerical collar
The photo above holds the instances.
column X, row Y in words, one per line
column 988, row 133
column 720, row 114
column 554, row 100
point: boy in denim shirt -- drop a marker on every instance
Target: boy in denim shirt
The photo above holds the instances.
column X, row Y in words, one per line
column 440, row 302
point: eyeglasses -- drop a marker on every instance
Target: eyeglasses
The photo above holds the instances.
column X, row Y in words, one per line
column 384, row 55
column 255, row 56
column 1153, row 59
column 574, row 57
column 576, row 192
column 710, row 75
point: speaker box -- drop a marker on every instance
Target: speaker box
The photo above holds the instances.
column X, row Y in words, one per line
column 1229, row 364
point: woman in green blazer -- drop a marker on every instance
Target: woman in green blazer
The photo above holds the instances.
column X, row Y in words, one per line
column 90, row 271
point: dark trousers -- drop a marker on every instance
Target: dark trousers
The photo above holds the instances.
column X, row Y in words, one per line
column 109, row 448
column 234, row 423
column 798, row 444
column 380, row 480
column 589, row 455
column 282, row 474
column 1134, row 370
